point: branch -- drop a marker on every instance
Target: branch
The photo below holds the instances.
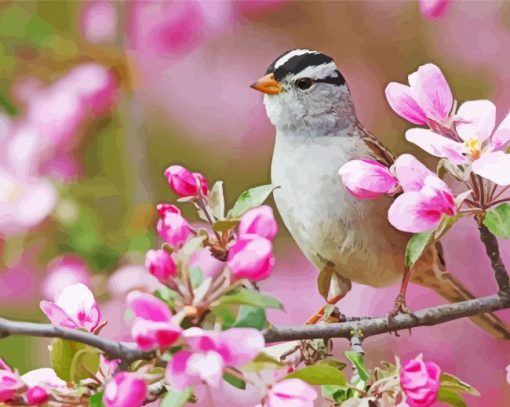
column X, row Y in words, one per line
column 368, row 327
column 128, row 352
column 376, row 326
column 492, row 248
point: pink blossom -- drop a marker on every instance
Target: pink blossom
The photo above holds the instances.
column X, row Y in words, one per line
column 160, row 264
column 64, row 271
column 183, row 182
column 25, row 201
column 210, row 352
column 125, row 390
column 291, row 393
column 208, row 264
column 433, row 8
column 367, row 179
column 427, row 98
column 75, row 307
column 424, row 201
column 153, row 326
column 202, row 181
column 259, row 221
column 173, row 228
column 478, row 144
column 420, row 381
column 37, row 395
column 99, row 22
column 44, row 377
column 164, row 208
column 251, row 257
column 10, row 382
column 131, row 277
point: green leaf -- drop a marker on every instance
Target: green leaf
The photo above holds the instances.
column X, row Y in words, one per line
column 85, row 362
column 176, row 398
column 251, row 198
column 196, row 276
column 250, row 317
column 167, row 295
column 359, row 363
column 225, row 313
column 319, row 374
column 224, row 225
column 234, row 381
column 328, row 310
column 452, row 383
column 416, row 246
column 336, row 393
column 96, row 400
column 62, row 354
column 250, row 297
column 451, row 398
column 497, row 221
column 217, row 200
column 334, row 363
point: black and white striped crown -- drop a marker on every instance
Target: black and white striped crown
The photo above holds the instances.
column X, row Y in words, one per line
column 314, row 64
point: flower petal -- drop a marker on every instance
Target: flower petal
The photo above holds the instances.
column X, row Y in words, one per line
column 411, row 213
column 410, row 172
column 79, row 304
column 475, row 119
column 57, row 315
column 148, row 307
column 437, row 145
column 501, row 136
column 432, row 92
column 177, row 374
column 367, row 179
column 401, row 100
column 494, row 166
column 240, row 345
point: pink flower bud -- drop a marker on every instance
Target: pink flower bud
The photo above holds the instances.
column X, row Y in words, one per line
column 37, row 395
column 293, row 392
column 251, row 257
column 420, row 382
column 164, row 208
column 160, row 264
column 125, row 390
column 10, row 382
column 433, row 8
column 367, row 179
column 259, row 221
column 182, row 181
column 202, row 182
column 173, row 229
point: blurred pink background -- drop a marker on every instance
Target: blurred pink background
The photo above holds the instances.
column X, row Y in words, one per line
column 105, row 95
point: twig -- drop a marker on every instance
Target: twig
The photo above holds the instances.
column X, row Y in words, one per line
column 128, row 352
column 376, row 326
column 492, row 248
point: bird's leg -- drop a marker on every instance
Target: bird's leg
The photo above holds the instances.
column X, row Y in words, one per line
column 400, row 302
column 320, row 313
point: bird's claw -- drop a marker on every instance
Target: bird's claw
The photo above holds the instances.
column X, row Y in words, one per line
column 400, row 307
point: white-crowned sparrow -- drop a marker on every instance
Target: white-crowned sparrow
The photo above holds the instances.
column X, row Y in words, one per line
column 317, row 131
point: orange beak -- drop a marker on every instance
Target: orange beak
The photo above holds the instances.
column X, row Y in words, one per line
column 268, row 85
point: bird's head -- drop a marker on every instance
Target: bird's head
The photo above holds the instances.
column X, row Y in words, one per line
column 304, row 88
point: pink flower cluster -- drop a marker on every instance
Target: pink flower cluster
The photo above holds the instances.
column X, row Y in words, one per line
column 425, row 200
column 420, row 382
column 33, row 388
column 465, row 138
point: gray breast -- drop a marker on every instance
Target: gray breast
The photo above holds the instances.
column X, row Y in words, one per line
column 328, row 223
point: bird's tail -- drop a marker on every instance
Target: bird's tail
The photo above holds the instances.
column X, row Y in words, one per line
column 450, row 288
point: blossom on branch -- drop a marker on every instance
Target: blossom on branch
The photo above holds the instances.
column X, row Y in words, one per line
column 290, row 393
column 74, row 308
column 185, row 183
column 420, row 381
column 125, row 390
column 153, row 326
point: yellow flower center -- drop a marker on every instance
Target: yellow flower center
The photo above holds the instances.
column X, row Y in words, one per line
column 473, row 146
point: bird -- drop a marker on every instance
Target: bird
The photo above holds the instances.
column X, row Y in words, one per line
column 308, row 101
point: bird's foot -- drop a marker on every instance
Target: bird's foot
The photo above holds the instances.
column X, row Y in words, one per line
column 400, row 307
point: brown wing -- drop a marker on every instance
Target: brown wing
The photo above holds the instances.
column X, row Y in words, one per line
column 382, row 154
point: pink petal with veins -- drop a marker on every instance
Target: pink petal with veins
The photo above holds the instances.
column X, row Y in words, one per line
column 475, row 119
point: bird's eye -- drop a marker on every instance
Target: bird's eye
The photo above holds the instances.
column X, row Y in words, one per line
column 304, row 83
